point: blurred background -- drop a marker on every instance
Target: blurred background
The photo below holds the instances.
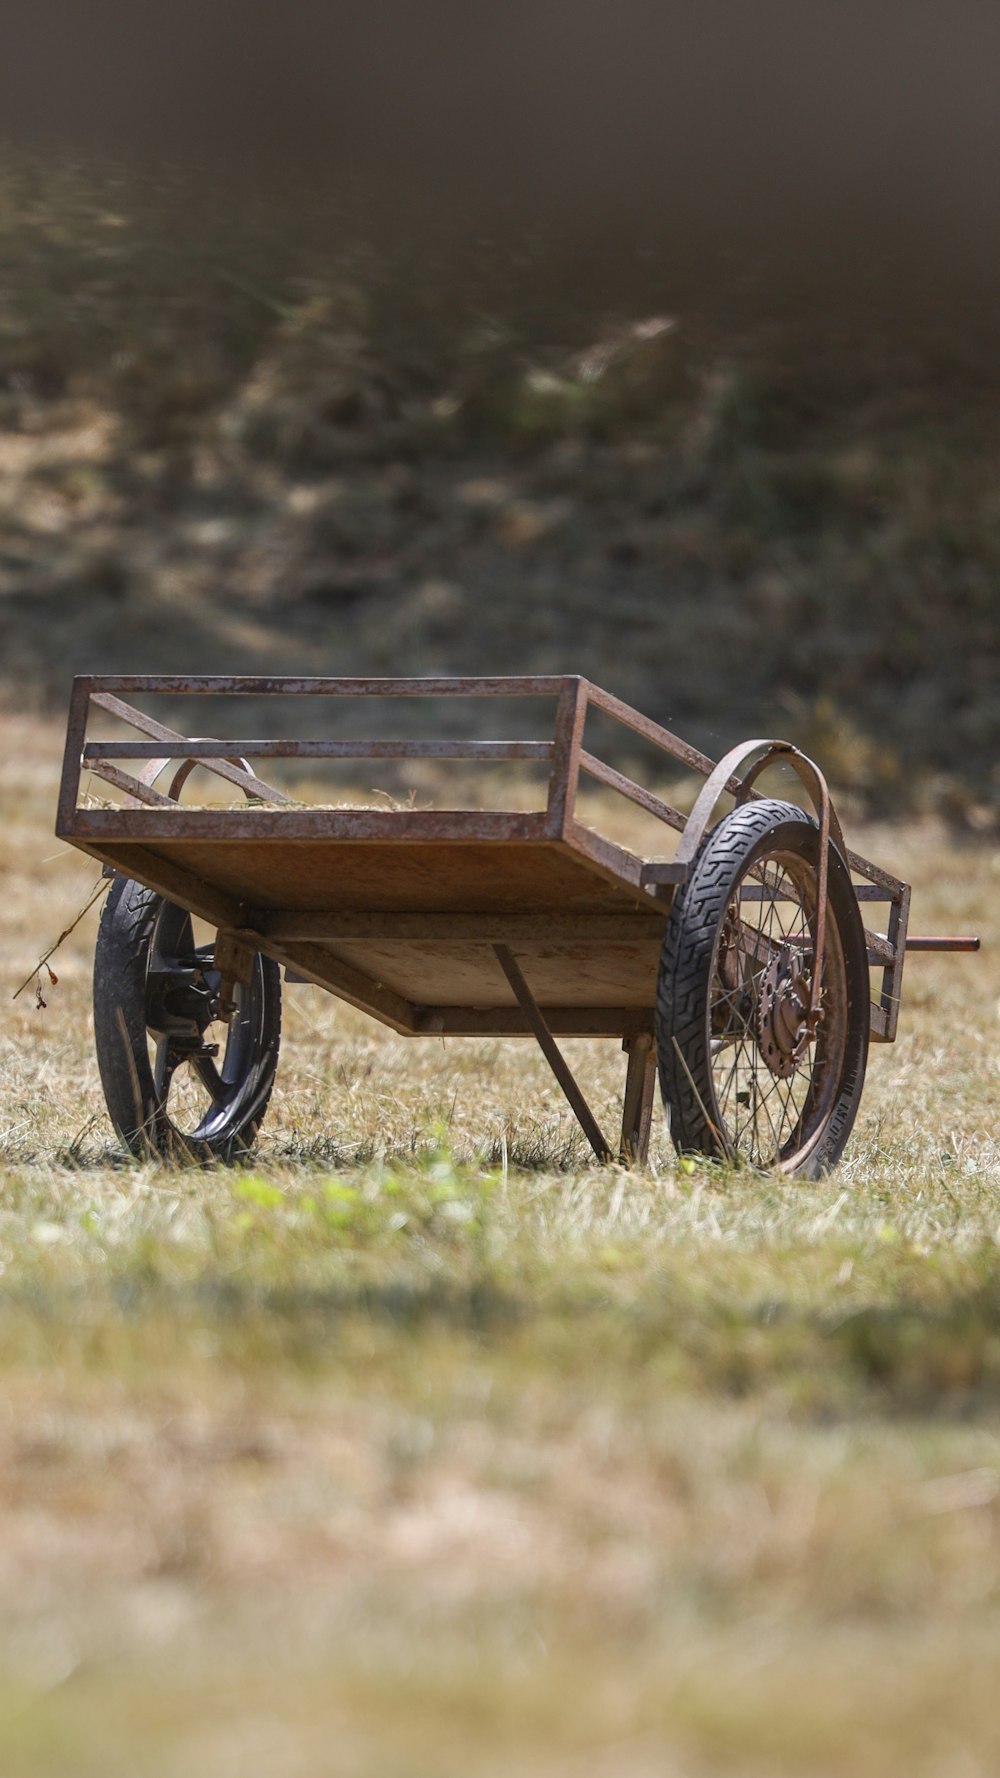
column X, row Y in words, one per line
column 655, row 342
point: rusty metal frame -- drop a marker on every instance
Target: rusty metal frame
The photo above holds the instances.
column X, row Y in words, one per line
column 301, row 941
column 551, row 1051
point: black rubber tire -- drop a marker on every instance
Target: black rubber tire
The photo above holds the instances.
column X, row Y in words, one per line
column 690, row 991
column 132, row 919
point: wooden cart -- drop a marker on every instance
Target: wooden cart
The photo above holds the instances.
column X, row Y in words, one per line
column 751, row 956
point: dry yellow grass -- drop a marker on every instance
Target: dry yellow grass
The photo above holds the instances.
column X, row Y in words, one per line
column 386, row 1458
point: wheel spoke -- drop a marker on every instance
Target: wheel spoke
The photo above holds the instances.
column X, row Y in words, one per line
column 204, row 1067
column 759, row 1106
column 164, row 1063
column 174, row 948
column 769, row 1093
column 727, row 1087
column 790, row 1115
column 747, row 1090
column 769, row 933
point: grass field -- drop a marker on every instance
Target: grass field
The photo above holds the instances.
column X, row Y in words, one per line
column 425, row 1448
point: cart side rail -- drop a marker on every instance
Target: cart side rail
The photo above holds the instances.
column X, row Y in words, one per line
column 230, row 758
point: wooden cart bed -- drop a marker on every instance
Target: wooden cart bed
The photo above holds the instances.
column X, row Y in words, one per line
column 468, row 920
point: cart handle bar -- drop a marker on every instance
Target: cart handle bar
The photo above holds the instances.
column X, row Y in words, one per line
column 966, row 943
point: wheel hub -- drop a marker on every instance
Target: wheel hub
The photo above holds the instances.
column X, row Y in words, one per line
column 181, row 1003
column 783, row 1025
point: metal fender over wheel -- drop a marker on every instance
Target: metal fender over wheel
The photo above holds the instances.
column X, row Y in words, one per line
column 185, row 1073
column 751, row 1068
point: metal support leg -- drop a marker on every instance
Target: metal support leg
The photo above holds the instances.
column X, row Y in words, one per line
column 637, row 1112
column 553, row 1055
